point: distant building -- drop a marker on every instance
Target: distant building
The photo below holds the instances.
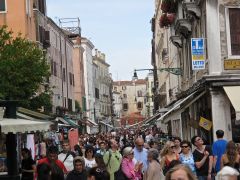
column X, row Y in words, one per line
column 117, row 108
column 89, row 82
column 200, row 41
column 133, row 94
column 78, row 69
column 149, row 95
column 62, row 78
column 23, row 17
column 104, row 87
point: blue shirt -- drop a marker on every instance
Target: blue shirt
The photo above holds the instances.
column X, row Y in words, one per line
column 189, row 161
column 218, row 149
column 142, row 157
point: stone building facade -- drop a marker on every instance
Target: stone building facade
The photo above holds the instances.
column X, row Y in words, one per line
column 209, row 92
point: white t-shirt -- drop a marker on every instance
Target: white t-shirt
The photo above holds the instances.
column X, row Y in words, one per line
column 68, row 163
column 89, row 163
column 148, row 138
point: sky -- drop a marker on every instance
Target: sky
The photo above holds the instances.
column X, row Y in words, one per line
column 119, row 28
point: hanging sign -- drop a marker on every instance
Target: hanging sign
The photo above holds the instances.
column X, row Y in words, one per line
column 205, row 123
column 198, row 54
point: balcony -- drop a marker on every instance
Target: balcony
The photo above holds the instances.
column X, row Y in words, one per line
column 192, row 9
column 176, row 40
column 183, row 27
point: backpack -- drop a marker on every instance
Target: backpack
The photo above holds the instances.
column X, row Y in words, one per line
column 118, row 175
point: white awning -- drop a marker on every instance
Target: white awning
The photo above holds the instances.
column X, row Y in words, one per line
column 233, row 95
column 23, row 125
column 106, row 124
column 180, row 102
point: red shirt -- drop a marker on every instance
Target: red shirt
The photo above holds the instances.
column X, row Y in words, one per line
column 58, row 162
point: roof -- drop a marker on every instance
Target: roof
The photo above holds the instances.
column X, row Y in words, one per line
column 129, row 83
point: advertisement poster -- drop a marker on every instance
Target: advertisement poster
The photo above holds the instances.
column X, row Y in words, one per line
column 198, row 53
column 73, row 137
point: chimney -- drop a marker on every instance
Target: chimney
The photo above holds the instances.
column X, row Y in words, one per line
column 96, row 52
column 103, row 56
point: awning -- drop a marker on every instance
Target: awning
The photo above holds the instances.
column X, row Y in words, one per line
column 233, row 95
column 106, row 124
column 23, row 125
column 61, row 120
column 151, row 118
column 178, row 104
column 69, row 121
column 33, row 113
column 91, row 122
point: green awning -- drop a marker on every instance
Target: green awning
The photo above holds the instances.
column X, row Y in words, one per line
column 71, row 122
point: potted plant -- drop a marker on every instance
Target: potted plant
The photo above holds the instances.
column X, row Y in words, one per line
column 165, row 5
column 171, row 18
column 163, row 20
column 166, row 19
column 169, row 6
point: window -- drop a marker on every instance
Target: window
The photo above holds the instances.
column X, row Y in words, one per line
column 73, row 81
column 124, row 95
column 115, row 88
column 3, row 7
column 124, row 87
column 28, row 7
column 125, row 106
column 64, row 75
column 41, row 6
column 70, row 78
column 97, row 93
column 139, row 105
column 234, row 26
column 54, row 68
column 139, row 93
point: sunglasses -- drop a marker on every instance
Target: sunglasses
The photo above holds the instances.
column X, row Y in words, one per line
column 140, row 145
column 184, row 146
column 172, row 147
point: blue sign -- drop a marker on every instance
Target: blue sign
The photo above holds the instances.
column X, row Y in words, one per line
column 198, row 53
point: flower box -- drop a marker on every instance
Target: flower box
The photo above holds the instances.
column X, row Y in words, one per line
column 169, row 6
column 166, row 19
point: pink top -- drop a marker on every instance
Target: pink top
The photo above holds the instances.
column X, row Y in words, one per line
column 128, row 169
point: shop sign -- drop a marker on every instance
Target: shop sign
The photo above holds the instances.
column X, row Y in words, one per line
column 198, row 53
column 232, row 64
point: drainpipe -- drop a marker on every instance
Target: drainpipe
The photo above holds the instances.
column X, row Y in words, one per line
column 61, row 59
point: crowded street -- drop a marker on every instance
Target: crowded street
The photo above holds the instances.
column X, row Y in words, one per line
column 119, row 90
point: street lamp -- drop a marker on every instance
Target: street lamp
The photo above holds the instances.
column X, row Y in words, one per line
column 175, row 71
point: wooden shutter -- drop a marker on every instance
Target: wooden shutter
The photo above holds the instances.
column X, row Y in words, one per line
column 234, row 22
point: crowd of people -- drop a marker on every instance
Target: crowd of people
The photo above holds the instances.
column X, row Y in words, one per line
column 135, row 155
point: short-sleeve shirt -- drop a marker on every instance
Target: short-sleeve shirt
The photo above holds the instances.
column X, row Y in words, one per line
column 198, row 156
column 218, row 149
column 27, row 165
column 189, row 161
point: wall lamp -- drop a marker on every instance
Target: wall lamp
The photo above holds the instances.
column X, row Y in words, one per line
column 175, row 71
